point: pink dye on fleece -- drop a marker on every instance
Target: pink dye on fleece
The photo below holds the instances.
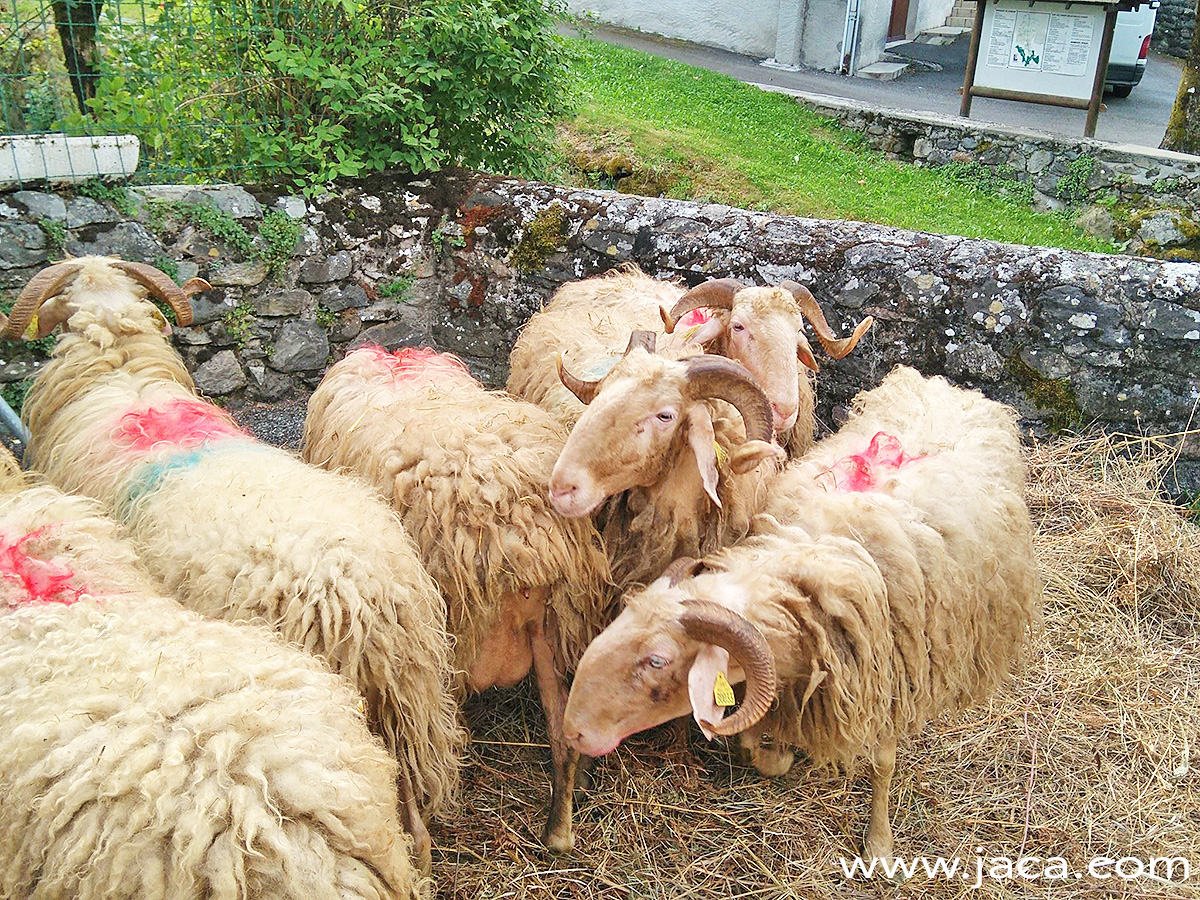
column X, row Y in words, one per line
column 694, row 319
column 863, row 471
column 179, row 423
column 42, row 581
column 408, row 362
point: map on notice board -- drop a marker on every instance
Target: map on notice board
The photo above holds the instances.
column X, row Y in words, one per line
column 1041, row 42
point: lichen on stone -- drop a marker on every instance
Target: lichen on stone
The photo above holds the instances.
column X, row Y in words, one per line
column 1053, row 395
column 544, row 235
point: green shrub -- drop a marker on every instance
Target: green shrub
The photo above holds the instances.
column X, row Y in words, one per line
column 337, row 87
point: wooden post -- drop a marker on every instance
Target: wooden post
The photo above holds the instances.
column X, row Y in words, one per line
column 964, row 108
column 1093, row 113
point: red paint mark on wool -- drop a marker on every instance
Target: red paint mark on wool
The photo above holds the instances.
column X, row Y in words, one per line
column 408, row 362
column 180, row 423
column 695, row 318
column 42, row 581
column 862, row 471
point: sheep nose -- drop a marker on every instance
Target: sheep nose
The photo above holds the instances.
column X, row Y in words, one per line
column 783, row 419
column 562, row 493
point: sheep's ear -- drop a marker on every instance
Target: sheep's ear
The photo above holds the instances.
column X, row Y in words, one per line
column 804, row 353
column 702, row 680
column 751, row 453
column 709, row 331
column 703, row 441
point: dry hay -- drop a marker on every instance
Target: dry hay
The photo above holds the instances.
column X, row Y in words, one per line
column 1088, row 752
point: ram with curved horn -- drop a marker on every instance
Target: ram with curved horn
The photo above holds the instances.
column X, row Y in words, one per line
column 671, row 455
column 233, row 528
column 890, row 580
column 587, row 321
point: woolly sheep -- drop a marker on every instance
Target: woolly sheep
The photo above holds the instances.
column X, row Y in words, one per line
column 234, row 528
column 153, row 754
column 760, row 327
column 467, row 470
column 666, row 455
column 891, row 580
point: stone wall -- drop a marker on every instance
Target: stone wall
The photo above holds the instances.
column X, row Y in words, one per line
column 1173, row 27
column 461, row 262
column 1148, row 197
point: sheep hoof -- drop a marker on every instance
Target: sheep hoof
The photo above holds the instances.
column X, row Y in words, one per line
column 559, row 841
column 881, row 850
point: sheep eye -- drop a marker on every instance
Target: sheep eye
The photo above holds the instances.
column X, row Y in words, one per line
column 656, row 661
column 666, row 416
column 738, row 326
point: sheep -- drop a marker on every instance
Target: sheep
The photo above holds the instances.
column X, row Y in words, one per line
column 234, row 528
column 890, row 579
column 659, row 456
column 151, row 753
column 467, row 470
column 760, row 327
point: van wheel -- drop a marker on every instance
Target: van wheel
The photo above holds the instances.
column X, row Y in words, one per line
column 1121, row 90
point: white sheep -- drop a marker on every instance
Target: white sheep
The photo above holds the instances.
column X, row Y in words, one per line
column 666, row 456
column 467, row 470
column 150, row 753
column 589, row 321
column 891, row 580
column 234, row 528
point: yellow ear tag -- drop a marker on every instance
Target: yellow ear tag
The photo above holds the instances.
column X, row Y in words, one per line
column 362, row 707
column 722, row 455
column 31, row 330
column 722, row 691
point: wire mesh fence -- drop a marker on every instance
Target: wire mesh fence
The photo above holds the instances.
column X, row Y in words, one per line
column 195, row 81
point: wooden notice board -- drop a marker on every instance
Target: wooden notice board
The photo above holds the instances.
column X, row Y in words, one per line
column 1042, row 51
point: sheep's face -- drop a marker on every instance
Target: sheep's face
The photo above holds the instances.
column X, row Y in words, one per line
column 631, row 433
column 633, row 676
column 644, row 669
column 764, row 331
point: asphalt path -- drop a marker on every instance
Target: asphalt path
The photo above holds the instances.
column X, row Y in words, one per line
column 1140, row 118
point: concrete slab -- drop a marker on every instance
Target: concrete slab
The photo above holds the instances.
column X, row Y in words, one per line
column 882, row 71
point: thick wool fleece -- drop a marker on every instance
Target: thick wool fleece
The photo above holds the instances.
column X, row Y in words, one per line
column 240, row 530
column 890, row 606
column 467, row 469
column 150, row 753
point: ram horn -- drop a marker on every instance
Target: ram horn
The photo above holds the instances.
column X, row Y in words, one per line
column 684, row 567
column 46, row 284
column 160, row 285
column 725, row 379
column 713, row 623
column 644, row 339
column 834, row 346
column 584, row 390
column 716, row 293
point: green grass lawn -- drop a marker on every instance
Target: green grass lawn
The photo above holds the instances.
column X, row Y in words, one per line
column 690, row 133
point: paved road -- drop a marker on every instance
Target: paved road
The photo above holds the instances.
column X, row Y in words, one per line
column 1140, row 118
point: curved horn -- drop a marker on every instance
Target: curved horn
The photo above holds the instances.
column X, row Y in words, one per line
column 584, row 390
column 724, row 379
column 644, row 339
column 834, row 346
column 684, row 567
column 716, row 293
column 41, row 287
column 160, row 285
column 713, row 623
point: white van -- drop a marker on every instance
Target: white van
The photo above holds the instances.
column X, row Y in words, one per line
column 1130, row 47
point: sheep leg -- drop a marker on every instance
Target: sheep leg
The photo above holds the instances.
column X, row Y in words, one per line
column 879, row 835
column 410, row 816
column 557, row 836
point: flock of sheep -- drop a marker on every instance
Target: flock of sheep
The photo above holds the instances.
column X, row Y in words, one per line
column 227, row 672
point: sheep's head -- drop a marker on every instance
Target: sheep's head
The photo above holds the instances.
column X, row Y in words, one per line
column 59, row 291
column 648, row 415
column 660, row 659
column 763, row 329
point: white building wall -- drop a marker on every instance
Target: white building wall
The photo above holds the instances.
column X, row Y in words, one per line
column 931, row 14
column 746, row 27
